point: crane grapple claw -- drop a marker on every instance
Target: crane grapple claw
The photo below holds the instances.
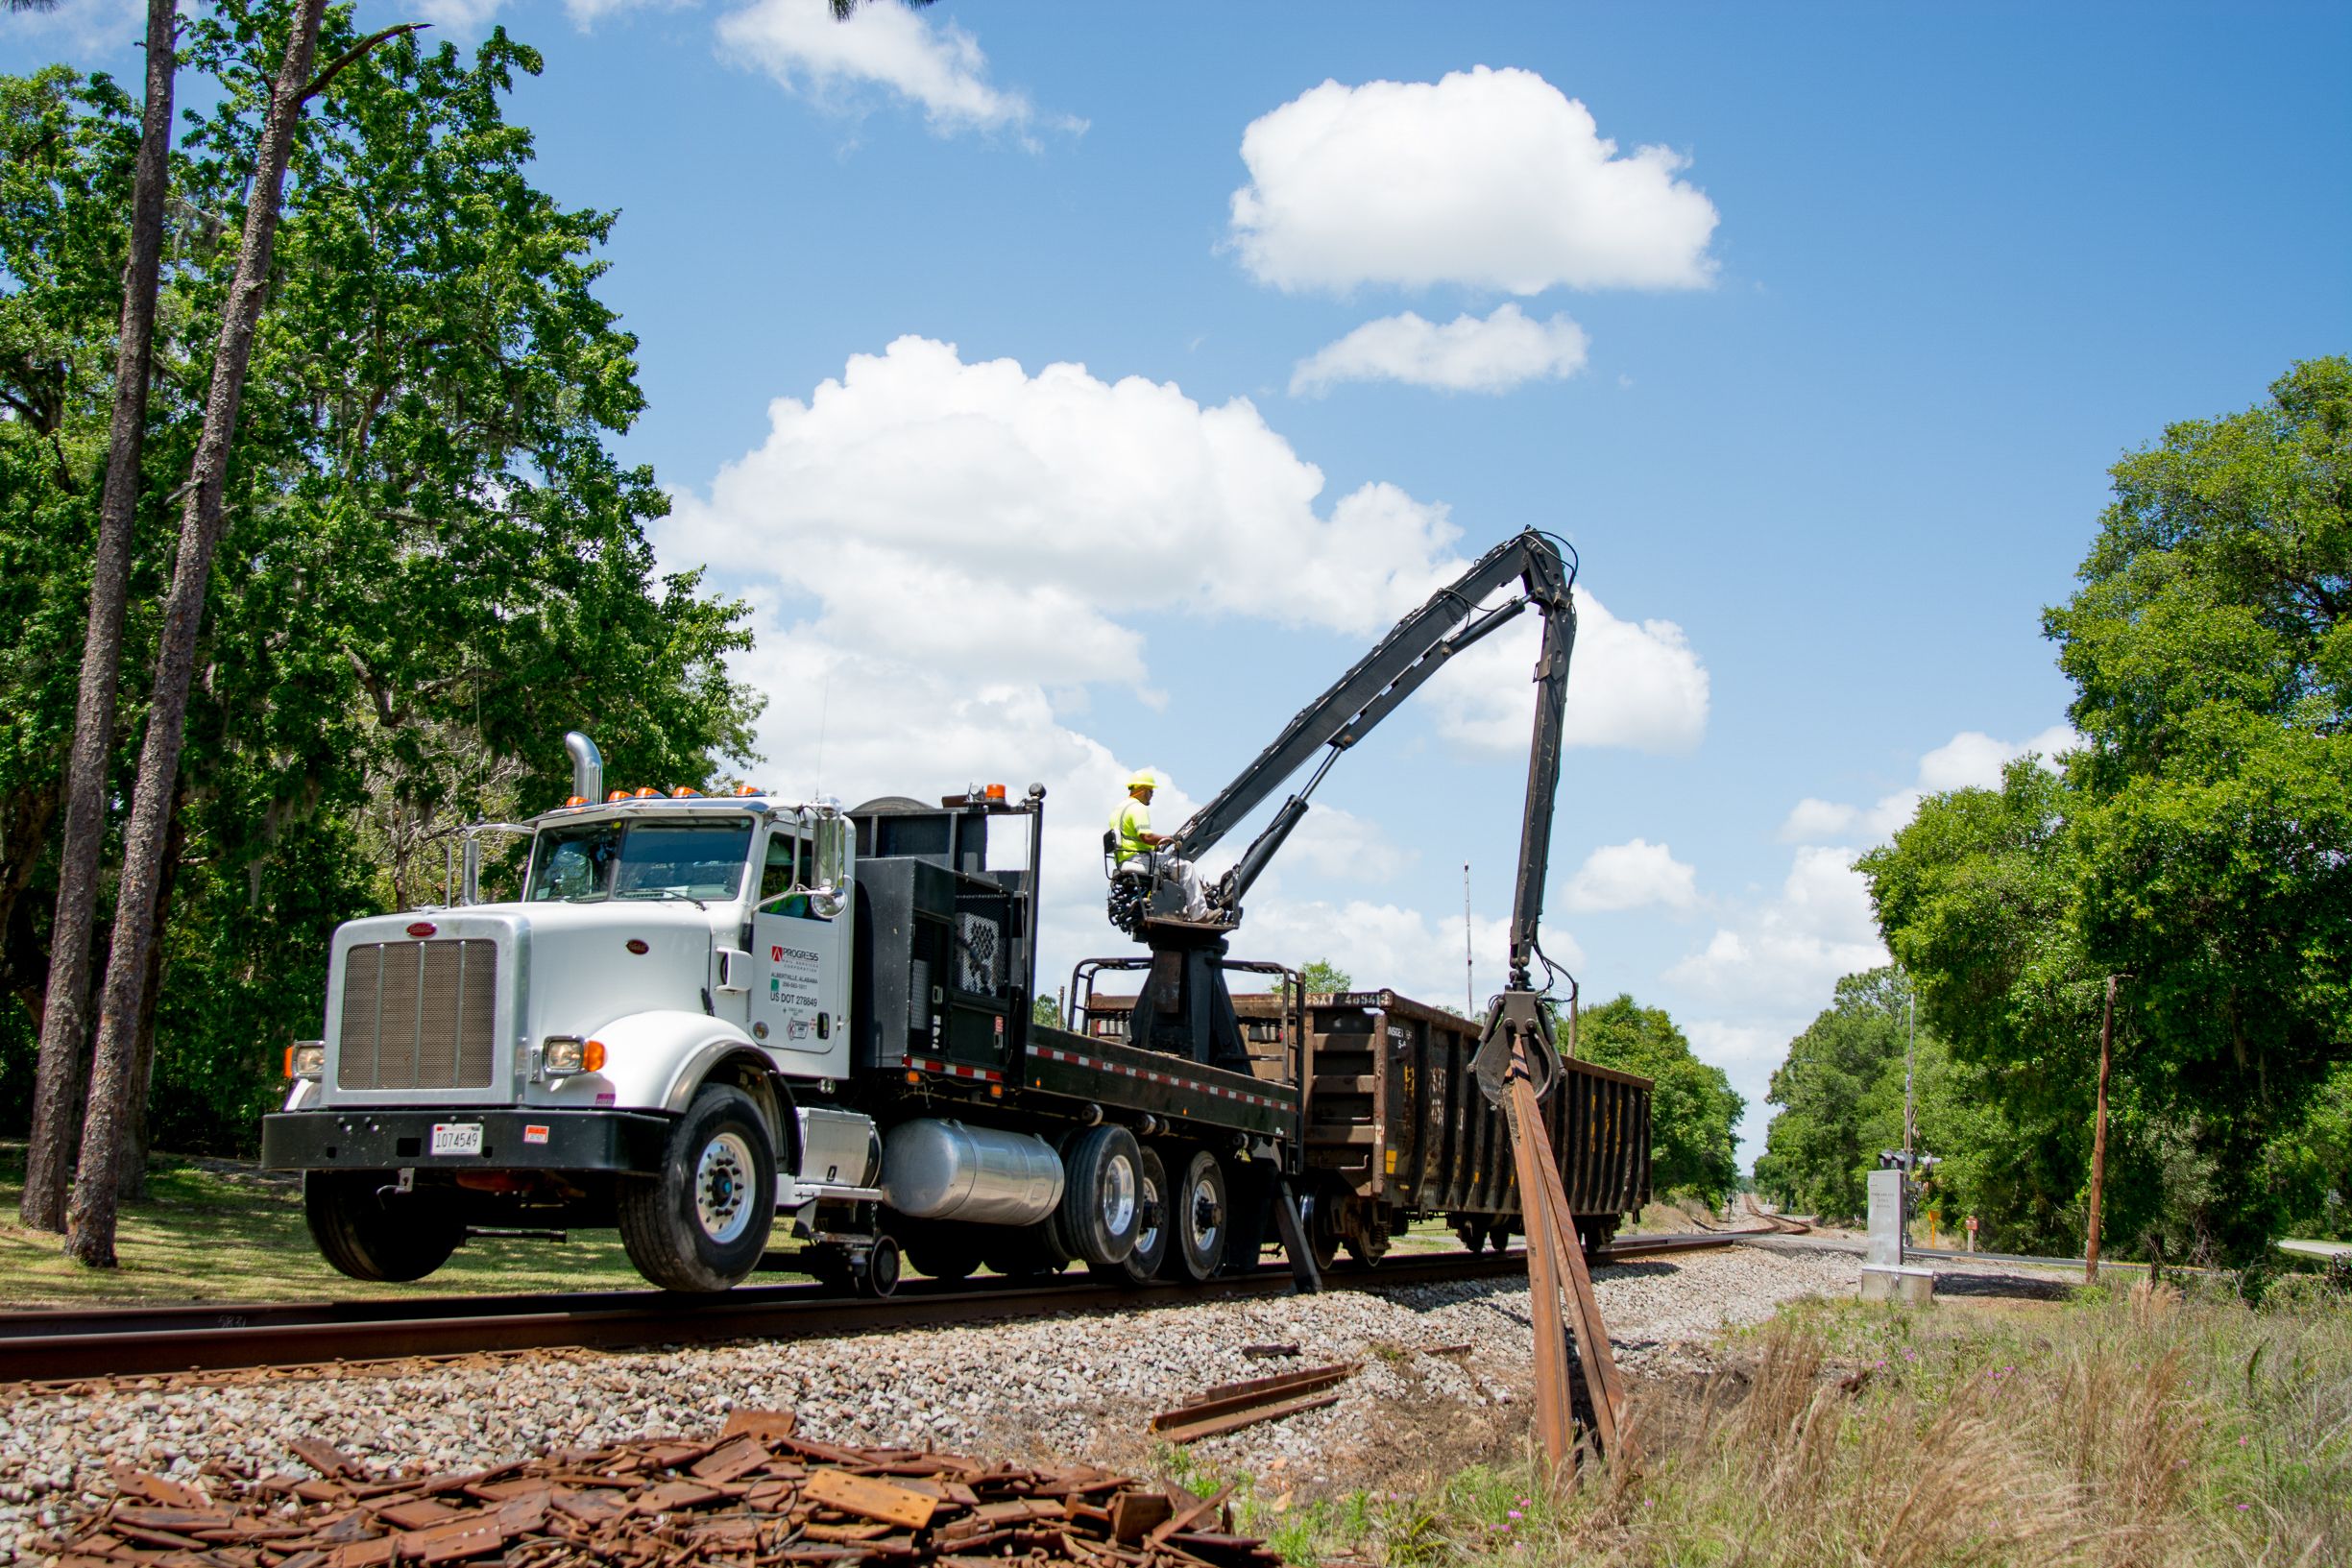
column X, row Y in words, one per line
column 1525, row 1014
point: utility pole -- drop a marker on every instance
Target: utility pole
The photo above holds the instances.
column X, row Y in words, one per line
column 1910, row 1049
column 2099, row 1135
column 1470, row 972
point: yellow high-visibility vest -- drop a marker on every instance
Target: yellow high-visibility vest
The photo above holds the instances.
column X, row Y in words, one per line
column 1130, row 822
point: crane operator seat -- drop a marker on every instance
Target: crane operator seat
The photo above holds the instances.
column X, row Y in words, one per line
column 1131, row 886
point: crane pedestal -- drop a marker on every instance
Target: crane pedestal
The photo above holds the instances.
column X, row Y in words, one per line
column 1185, row 1008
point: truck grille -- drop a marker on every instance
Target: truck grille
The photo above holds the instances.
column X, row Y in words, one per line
column 418, row 1015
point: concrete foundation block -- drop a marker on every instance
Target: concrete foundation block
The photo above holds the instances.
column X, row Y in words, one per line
column 1907, row 1287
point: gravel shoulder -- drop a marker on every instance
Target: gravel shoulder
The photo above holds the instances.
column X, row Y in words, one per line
column 1078, row 1386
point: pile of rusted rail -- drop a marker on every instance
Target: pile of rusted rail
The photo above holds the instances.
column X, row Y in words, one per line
column 757, row 1494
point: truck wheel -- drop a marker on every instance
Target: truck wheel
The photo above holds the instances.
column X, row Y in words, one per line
column 1199, row 1219
column 701, row 1223
column 375, row 1237
column 1101, row 1194
column 1143, row 1264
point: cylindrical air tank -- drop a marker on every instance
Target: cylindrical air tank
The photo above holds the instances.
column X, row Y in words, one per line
column 935, row 1169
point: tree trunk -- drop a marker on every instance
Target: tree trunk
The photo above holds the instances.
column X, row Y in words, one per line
column 90, row 1233
column 130, row 1181
column 66, row 1025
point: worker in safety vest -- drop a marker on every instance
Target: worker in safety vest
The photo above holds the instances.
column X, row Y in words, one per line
column 1132, row 838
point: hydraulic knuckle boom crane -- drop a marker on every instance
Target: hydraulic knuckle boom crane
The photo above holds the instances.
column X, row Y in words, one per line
column 1185, row 1006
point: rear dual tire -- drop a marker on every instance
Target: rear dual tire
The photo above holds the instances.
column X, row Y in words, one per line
column 1199, row 1219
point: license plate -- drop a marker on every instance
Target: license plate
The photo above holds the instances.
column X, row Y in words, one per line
column 457, row 1138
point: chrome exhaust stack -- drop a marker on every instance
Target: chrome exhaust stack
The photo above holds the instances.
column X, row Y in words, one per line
column 587, row 767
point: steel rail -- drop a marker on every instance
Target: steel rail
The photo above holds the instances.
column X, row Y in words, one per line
column 69, row 1346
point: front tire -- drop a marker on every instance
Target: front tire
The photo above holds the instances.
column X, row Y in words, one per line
column 371, row 1236
column 701, row 1223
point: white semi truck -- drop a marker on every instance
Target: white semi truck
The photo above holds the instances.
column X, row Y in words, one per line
column 722, row 1023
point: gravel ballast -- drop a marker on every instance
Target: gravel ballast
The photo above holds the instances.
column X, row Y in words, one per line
column 1074, row 1388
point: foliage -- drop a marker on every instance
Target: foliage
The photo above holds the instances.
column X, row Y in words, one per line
column 1320, row 976
column 1692, row 1106
column 2199, row 843
column 433, row 564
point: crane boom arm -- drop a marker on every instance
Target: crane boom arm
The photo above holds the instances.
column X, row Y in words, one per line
column 1413, row 650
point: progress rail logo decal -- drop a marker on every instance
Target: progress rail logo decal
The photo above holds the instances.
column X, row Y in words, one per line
column 1212, row 1090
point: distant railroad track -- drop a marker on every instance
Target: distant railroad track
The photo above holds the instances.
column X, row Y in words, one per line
column 72, row 1345
column 1778, row 1224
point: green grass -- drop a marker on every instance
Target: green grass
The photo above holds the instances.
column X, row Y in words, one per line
column 2132, row 1427
column 209, row 1233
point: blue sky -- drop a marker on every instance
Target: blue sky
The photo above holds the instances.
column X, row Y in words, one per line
column 1824, row 393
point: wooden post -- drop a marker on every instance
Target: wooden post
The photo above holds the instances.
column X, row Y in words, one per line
column 2098, row 1137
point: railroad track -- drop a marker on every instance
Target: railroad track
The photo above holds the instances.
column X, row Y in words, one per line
column 1780, row 1223
column 133, row 1342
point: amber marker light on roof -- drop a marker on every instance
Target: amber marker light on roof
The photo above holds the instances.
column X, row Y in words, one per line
column 682, row 793
column 996, row 793
column 648, row 794
column 616, row 795
column 747, row 789
column 570, row 801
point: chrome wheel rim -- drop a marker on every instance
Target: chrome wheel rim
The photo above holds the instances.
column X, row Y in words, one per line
column 723, row 1188
column 1118, row 1195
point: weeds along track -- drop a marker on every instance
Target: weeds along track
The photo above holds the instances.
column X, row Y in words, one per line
column 73, row 1346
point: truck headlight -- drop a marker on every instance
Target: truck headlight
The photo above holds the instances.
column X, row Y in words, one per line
column 306, row 1059
column 561, row 1055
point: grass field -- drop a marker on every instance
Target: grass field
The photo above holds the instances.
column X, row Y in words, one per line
column 214, row 1232
column 2139, row 1428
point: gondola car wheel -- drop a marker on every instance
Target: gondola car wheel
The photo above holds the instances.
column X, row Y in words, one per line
column 1199, row 1219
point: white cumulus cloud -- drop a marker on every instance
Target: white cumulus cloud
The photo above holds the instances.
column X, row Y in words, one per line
column 1508, row 349
column 944, row 558
column 1787, row 954
column 1634, row 684
column 935, row 65
column 1970, row 759
column 1492, row 179
column 1631, row 877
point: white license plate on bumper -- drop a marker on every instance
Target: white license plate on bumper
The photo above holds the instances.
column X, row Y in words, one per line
column 457, row 1138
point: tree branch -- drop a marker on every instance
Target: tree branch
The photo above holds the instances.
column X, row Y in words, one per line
column 318, row 82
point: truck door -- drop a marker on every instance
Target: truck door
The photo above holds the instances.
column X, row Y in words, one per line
column 800, row 967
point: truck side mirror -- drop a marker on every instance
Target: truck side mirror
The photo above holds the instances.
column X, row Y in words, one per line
column 828, row 892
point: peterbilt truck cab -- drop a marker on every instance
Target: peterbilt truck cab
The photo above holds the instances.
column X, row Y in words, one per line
column 649, row 1036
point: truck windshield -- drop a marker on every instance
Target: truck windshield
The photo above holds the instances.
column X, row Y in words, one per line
column 640, row 860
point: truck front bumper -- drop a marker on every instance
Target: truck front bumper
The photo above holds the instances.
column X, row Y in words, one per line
column 387, row 1140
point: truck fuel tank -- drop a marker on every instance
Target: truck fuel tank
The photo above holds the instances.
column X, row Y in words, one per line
column 937, row 1169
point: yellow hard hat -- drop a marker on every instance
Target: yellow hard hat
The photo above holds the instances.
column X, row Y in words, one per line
column 1143, row 779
